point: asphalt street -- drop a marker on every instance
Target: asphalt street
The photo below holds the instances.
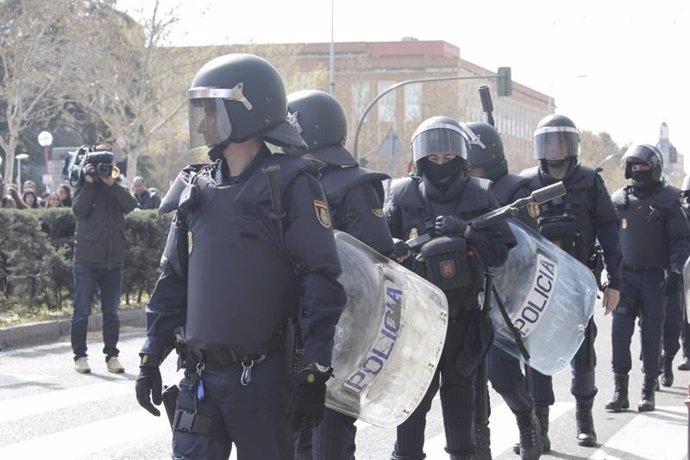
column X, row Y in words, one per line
column 47, row 410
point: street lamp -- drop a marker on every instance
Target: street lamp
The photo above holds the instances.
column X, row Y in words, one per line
column 503, row 76
column 45, row 140
column 19, row 158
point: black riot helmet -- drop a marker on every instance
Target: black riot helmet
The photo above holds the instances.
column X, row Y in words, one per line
column 556, row 138
column 488, row 152
column 438, row 135
column 321, row 121
column 236, row 97
column 643, row 154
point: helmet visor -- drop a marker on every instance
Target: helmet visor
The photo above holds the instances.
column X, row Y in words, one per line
column 556, row 143
column 209, row 124
column 439, row 141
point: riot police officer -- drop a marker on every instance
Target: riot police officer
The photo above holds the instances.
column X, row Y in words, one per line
column 655, row 241
column 231, row 240
column 355, row 198
column 574, row 222
column 685, row 322
column 440, row 199
column 487, row 159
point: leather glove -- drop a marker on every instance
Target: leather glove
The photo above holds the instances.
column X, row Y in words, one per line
column 149, row 386
column 450, row 226
column 309, row 399
column 402, row 250
column 672, row 282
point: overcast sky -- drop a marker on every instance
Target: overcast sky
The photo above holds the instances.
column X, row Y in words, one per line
column 620, row 67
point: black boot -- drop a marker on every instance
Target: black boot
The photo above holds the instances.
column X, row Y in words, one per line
column 646, row 403
column 585, row 425
column 482, row 442
column 530, row 435
column 620, row 401
column 462, row 457
column 667, row 370
column 542, row 413
column 685, row 364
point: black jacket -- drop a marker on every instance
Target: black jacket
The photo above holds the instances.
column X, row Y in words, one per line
column 147, row 200
column 100, row 236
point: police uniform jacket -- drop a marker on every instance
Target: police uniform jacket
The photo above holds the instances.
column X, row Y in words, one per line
column 588, row 205
column 654, row 229
column 232, row 275
column 355, row 197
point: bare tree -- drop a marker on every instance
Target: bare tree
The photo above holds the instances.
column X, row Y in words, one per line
column 39, row 52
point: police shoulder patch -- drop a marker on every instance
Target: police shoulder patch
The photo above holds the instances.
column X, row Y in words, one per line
column 322, row 214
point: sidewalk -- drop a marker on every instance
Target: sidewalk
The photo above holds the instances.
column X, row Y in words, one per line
column 30, row 334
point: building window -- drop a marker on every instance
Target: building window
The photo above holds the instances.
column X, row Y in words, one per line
column 360, row 97
column 386, row 104
column 413, row 102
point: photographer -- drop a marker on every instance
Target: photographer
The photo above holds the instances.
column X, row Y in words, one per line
column 100, row 204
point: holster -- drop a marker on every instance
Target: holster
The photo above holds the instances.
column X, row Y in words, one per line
column 169, row 397
column 294, row 349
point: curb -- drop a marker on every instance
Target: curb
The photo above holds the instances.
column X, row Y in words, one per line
column 30, row 334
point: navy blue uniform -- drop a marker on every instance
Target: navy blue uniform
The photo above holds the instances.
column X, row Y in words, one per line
column 411, row 205
column 655, row 237
column 575, row 222
column 216, row 270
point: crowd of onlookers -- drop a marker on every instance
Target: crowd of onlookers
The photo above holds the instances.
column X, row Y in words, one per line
column 29, row 198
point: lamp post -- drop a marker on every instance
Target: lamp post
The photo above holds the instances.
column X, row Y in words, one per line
column 503, row 76
column 19, row 158
column 45, row 140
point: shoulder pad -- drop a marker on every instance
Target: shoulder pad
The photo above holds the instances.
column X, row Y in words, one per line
column 338, row 181
column 666, row 197
column 172, row 198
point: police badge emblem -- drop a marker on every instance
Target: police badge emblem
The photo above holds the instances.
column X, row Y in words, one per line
column 447, row 268
column 533, row 210
column 414, row 233
column 190, row 243
column 624, row 223
column 322, row 214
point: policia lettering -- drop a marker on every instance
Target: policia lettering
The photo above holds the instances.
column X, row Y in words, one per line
column 527, row 319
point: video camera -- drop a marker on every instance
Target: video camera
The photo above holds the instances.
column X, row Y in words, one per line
column 103, row 161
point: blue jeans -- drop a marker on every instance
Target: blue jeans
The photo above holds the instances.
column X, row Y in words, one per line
column 109, row 282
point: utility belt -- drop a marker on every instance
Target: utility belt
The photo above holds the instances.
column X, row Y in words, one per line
column 189, row 356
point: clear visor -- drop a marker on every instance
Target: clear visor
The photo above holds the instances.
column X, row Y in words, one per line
column 556, row 143
column 439, row 141
column 209, row 124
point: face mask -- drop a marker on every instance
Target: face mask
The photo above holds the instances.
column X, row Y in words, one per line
column 440, row 174
column 641, row 179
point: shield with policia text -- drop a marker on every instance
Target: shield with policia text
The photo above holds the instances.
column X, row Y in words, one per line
column 389, row 339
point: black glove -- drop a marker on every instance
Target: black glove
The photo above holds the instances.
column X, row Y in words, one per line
column 450, row 226
column 672, row 282
column 402, row 250
column 149, row 386
column 309, row 400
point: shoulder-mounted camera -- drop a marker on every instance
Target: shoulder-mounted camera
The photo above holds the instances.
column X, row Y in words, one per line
column 103, row 162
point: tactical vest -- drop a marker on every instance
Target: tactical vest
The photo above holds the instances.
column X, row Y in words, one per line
column 644, row 238
column 506, row 186
column 569, row 221
column 241, row 285
column 446, row 261
column 338, row 181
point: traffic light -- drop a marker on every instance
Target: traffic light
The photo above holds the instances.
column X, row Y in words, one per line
column 504, row 82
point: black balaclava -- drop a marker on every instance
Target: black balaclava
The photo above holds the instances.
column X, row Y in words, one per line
column 442, row 175
column 642, row 182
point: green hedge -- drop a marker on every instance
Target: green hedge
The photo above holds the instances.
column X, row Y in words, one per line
column 36, row 249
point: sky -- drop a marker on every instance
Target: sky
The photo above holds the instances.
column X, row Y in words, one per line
column 619, row 67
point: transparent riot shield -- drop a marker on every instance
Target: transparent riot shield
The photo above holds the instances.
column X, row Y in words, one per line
column 549, row 297
column 389, row 338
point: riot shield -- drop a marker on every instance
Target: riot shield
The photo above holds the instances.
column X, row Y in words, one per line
column 549, row 297
column 389, row 339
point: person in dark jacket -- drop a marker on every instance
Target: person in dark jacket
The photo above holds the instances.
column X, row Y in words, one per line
column 100, row 205
column 439, row 200
column 145, row 198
